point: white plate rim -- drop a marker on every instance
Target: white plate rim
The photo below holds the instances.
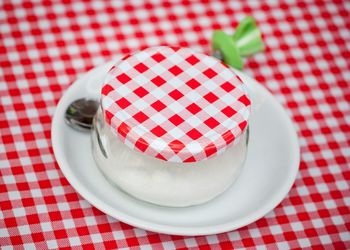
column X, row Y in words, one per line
column 158, row 227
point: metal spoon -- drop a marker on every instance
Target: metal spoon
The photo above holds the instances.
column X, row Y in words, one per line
column 80, row 113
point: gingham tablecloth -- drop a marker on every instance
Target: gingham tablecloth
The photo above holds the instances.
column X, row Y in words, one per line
column 45, row 46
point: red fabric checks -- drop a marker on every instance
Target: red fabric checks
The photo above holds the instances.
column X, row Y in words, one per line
column 47, row 45
column 175, row 104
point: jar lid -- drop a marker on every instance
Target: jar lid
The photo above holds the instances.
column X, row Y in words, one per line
column 175, row 104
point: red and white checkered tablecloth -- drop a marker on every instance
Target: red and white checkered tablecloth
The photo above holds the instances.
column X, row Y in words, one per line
column 45, row 46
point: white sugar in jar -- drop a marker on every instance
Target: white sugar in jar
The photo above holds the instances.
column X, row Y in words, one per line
column 172, row 127
column 165, row 183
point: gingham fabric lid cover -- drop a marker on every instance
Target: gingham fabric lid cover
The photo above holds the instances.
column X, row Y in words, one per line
column 175, row 104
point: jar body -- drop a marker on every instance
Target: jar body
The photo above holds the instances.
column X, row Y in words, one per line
column 161, row 182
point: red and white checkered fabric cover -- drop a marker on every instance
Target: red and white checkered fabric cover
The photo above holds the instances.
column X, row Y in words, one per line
column 175, row 104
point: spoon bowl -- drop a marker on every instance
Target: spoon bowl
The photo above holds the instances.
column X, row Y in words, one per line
column 80, row 114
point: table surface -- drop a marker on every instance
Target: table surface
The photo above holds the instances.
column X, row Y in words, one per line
column 44, row 47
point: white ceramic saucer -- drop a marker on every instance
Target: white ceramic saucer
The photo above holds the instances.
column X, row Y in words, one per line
column 270, row 170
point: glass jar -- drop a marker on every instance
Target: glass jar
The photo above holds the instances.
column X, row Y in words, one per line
column 186, row 177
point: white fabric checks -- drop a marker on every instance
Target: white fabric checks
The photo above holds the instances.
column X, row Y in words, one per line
column 46, row 45
column 175, row 104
